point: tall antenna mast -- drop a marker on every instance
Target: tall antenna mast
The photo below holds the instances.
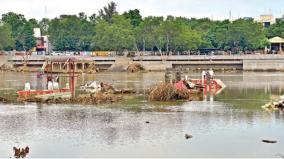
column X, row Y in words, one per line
column 230, row 15
column 45, row 11
column 270, row 11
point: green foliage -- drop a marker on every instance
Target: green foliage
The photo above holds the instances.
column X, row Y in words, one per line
column 276, row 29
column 134, row 16
column 34, row 23
column 110, row 31
column 22, row 30
column 6, row 40
column 116, row 36
column 177, row 35
column 71, row 32
column 146, row 34
column 108, row 12
column 238, row 35
column 25, row 40
column 43, row 25
column 172, row 34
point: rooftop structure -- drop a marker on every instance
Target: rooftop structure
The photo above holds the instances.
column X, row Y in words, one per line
column 267, row 20
column 276, row 44
column 42, row 43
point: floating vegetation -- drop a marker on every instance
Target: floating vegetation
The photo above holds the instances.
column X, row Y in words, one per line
column 167, row 92
column 135, row 67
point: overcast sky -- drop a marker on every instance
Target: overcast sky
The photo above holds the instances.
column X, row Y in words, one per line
column 216, row 9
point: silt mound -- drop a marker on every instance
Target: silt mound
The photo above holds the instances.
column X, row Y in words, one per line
column 167, row 92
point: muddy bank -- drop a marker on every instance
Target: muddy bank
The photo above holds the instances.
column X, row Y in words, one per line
column 164, row 92
column 135, row 67
column 7, row 67
column 84, row 99
column 5, row 100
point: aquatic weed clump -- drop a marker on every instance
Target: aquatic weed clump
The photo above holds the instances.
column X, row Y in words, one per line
column 167, row 92
column 84, row 99
column 135, row 67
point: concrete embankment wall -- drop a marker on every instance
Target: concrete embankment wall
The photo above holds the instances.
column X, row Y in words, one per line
column 216, row 65
column 3, row 60
column 263, row 65
column 158, row 63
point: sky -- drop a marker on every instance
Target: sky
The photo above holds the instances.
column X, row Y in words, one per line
column 213, row 9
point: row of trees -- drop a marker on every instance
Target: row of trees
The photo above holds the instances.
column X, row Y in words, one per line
column 110, row 30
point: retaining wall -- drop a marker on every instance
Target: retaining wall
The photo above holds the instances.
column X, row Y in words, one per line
column 263, row 65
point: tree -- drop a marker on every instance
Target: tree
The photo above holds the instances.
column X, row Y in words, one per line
column 146, row 34
column 116, row 36
column 43, row 25
column 276, row 29
column 16, row 21
column 22, row 30
column 34, row 23
column 6, row 40
column 134, row 16
column 177, row 35
column 71, row 32
column 108, row 12
column 26, row 40
column 240, row 35
column 216, row 33
column 93, row 18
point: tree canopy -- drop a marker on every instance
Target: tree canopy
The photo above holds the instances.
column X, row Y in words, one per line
column 109, row 30
column 6, row 40
column 117, row 35
column 71, row 32
column 22, row 30
column 276, row 29
column 134, row 16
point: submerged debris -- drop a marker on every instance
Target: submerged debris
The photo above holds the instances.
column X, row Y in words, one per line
column 21, row 152
column 167, row 92
column 7, row 67
column 4, row 100
column 274, row 106
column 187, row 136
column 95, row 87
column 269, row 141
column 96, row 98
column 135, row 67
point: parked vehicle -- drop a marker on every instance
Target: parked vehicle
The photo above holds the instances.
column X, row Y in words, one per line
column 68, row 53
column 56, row 54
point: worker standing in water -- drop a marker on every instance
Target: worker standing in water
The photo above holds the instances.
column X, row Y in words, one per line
column 211, row 73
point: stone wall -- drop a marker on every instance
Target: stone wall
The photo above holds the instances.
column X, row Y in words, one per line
column 263, row 65
column 156, row 65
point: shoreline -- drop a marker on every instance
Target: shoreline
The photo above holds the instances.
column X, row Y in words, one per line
column 154, row 63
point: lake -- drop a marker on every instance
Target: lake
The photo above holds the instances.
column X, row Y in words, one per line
column 230, row 124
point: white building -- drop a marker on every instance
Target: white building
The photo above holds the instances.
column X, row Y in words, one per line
column 267, row 20
column 42, row 42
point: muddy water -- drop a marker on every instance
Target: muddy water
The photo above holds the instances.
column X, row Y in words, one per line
column 231, row 124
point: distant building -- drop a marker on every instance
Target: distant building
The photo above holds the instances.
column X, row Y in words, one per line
column 247, row 18
column 42, row 43
column 37, row 33
column 267, row 20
